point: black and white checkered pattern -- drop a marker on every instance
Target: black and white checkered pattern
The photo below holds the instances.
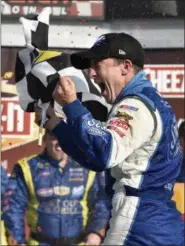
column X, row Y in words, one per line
column 38, row 70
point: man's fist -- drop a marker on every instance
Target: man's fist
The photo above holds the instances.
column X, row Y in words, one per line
column 65, row 91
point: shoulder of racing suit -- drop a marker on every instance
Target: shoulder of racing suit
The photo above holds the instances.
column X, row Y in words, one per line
column 30, row 160
column 34, row 161
column 135, row 104
column 24, row 165
column 131, row 122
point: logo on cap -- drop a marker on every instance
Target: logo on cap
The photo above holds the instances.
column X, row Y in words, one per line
column 100, row 40
column 122, row 52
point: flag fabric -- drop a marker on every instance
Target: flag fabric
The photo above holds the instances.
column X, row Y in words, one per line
column 38, row 69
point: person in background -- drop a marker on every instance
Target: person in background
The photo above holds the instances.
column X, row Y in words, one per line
column 66, row 203
column 181, row 177
column 4, row 183
column 178, row 195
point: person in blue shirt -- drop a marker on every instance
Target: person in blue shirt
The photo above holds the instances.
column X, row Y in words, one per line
column 66, row 204
column 4, row 183
column 181, row 177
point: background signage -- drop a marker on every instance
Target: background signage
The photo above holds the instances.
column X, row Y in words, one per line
column 60, row 9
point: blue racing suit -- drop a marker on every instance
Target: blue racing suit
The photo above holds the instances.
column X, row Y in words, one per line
column 181, row 177
column 139, row 146
column 61, row 203
column 4, row 183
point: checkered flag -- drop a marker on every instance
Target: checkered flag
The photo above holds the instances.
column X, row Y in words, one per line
column 38, row 69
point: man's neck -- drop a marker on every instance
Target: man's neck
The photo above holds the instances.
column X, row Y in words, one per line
column 128, row 78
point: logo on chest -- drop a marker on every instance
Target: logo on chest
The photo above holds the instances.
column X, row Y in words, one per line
column 45, row 192
column 76, row 174
column 56, row 190
column 61, row 190
column 44, row 174
column 78, row 191
column 41, row 165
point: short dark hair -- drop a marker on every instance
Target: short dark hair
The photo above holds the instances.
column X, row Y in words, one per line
column 136, row 68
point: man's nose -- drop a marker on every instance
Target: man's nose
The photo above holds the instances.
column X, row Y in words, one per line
column 92, row 73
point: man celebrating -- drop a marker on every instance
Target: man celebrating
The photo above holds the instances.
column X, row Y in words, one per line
column 139, row 143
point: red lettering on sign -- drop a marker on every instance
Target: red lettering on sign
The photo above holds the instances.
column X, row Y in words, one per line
column 14, row 121
column 72, row 10
column 43, row 2
column 168, row 79
column 58, row 8
column 19, row 1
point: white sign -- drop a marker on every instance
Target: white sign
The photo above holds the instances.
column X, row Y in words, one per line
column 168, row 79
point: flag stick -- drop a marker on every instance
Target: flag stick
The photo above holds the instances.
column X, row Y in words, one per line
column 40, row 135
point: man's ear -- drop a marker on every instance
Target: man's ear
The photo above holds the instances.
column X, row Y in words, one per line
column 128, row 64
column 125, row 66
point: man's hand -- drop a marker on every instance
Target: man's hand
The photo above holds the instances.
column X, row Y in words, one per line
column 52, row 121
column 93, row 239
column 65, row 91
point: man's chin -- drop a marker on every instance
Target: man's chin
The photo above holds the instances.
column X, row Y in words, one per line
column 108, row 100
column 56, row 156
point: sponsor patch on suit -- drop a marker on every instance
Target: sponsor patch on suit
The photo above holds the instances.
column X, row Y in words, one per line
column 128, row 107
column 78, row 191
column 61, row 190
column 76, row 174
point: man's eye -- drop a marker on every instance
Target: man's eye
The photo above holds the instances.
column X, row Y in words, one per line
column 96, row 64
